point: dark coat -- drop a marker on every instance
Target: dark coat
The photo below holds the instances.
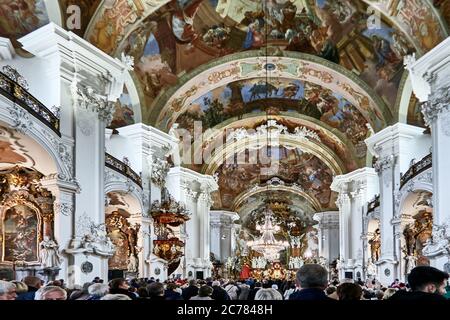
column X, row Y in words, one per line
column 27, row 295
column 172, row 295
column 402, row 295
column 190, row 292
column 252, row 293
column 311, row 294
column 123, row 291
column 219, row 294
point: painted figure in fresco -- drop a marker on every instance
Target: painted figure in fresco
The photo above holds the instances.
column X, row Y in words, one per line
column 23, row 16
column 183, row 20
column 49, row 253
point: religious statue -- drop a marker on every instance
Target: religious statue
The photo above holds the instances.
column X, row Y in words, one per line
column 411, row 262
column 375, row 245
column 438, row 243
column 371, row 268
column 49, row 253
column 132, row 265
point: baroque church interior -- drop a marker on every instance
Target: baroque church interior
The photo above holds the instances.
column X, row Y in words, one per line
column 230, row 139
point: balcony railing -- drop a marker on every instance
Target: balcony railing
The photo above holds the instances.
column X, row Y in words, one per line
column 123, row 168
column 20, row 95
column 416, row 169
column 373, row 204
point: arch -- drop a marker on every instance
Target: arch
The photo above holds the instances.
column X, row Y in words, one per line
column 28, row 127
column 322, row 152
column 130, row 191
column 290, row 189
column 250, row 65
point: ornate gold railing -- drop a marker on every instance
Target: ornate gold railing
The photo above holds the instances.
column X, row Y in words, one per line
column 416, row 169
column 123, row 168
column 20, row 95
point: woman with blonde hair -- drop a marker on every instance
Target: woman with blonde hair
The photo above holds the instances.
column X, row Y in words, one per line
column 389, row 293
column 21, row 287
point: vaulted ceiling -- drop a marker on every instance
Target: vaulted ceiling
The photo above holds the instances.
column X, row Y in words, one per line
column 321, row 75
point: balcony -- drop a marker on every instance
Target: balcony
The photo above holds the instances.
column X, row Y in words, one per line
column 417, row 168
column 122, row 168
column 15, row 88
column 375, row 203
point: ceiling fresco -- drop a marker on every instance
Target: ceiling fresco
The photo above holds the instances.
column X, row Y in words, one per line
column 23, row 16
column 293, row 166
column 326, row 73
column 280, row 95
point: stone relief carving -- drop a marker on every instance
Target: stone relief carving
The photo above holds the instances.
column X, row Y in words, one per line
column 63, row 208
column 160, row 168
column 275, row 129
column 437, row 104
column 21, row 118
column 93, row 238
column 439, row 243
column 86, row 97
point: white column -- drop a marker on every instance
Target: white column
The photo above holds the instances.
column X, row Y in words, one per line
column 392, row 147
column 328, row 234
column 84, row 94
column 221, row 235
column 430, row 77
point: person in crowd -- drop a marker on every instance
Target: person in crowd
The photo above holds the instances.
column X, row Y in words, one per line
column 155, row 291
column 204, row 293
column 312, row 280
column 51, row 293
column 81, row 293
column 116, row 296
column 219, row 293
column 190, row 291
column 33, row 283
column 331, row 292
column 120, row 286
column 290, row 290
column 252, row 293
column 244, row 291
column 21, row 287
column 232, row 289
column 426, row 283
column 389, row 293
column 97, row 291
column 268, row 294
column 349, row 292
column 7, row 290
column 171, row 293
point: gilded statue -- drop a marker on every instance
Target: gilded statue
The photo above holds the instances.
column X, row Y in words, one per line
column 375, row 245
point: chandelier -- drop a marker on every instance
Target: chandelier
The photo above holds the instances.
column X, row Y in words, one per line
column 267, row 245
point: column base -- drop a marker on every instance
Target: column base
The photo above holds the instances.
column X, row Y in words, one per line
column 387, row 271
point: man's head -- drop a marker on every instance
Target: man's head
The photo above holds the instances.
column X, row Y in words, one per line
column 31, row 281
column 51, row 293
column 312, row 276
column 119, row 283
column 7, row 290
column 155, row 289
column 428, row 279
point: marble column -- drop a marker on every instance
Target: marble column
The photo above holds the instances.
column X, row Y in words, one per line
column 222, row 233
column 328, row 234
column 430, row 77
column 393, row 148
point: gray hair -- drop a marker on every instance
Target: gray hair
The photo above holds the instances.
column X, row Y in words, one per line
column 268, row 294
column 312, row 276
column 43, row 291
column 116, row 297
column 6, row 287
column 98, row 289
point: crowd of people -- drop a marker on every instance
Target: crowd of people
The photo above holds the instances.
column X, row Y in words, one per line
column 311, row 283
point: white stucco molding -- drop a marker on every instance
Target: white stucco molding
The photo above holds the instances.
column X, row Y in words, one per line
column 76, row 59
column 430, row 71
column 7, row 51
column 386, row 141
